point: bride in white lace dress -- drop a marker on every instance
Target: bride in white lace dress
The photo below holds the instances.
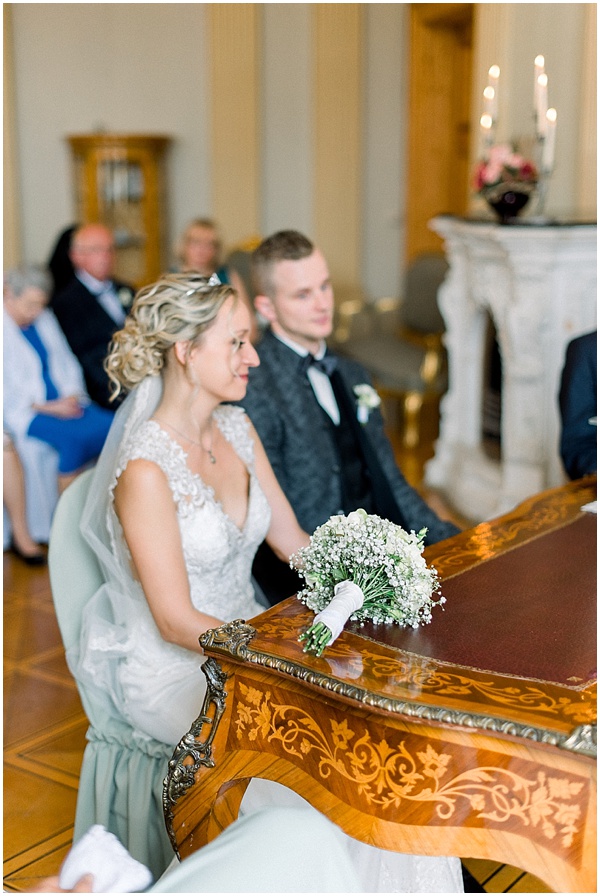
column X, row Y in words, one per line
column 183, row 496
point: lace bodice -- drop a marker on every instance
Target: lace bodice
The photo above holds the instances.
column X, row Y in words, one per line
column 218, row 555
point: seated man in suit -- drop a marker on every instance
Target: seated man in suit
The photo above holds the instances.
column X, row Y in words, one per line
column 316, row 413
column 578, row 400
column 93, row 305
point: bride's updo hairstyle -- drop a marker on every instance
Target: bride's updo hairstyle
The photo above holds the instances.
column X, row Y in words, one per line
column 177, row 308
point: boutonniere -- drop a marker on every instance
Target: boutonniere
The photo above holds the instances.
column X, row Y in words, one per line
column 125, row 297
column 366, row 399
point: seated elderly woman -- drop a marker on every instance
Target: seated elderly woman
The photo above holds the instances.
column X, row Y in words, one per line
column 45, row 400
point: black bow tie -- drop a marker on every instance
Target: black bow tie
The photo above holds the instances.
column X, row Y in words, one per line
column 326, row 364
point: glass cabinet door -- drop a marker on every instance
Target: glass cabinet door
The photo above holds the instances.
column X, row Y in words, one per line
column 120, row 182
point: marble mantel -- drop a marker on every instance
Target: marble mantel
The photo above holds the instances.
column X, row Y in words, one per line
column 538, row 284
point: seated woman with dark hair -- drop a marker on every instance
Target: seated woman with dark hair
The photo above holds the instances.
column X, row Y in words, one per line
column 45, row 399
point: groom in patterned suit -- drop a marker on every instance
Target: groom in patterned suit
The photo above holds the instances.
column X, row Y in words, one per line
column 326, row 444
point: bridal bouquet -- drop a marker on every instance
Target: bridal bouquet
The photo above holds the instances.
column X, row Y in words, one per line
column 362, row 567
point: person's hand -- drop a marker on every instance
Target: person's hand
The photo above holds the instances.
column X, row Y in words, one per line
column 66, row 408
column 50, row 885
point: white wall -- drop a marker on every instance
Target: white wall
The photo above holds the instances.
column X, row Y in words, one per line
column 121, row 67
column 385, row 134
column 145, row 67
column 287, row 133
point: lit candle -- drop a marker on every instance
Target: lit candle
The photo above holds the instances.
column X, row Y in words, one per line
column 542, row 104
column 538, row 69
column 550, row 141
column 492, row 91
column 489, row 95
column 486, row 129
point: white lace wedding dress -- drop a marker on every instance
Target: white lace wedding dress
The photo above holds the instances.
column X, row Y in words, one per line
column 160, row 687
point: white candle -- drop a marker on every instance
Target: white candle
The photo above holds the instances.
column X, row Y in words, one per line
column 489, row 95
column 486, row 129
column 542, row 104
column 550, row 141
column 538, row 69
column 492, row 91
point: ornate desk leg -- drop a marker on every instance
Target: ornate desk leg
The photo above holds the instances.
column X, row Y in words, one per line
column 194, row 753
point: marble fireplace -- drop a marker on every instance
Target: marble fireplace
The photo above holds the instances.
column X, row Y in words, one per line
column 538, row 285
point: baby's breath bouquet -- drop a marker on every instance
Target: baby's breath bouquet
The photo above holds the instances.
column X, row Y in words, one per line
column 362, row 567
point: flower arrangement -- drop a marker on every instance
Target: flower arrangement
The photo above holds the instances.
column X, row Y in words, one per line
column 366, row 399
column 363, row 567
column 503, row 170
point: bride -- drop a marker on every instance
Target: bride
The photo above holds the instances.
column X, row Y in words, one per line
column 182, row 496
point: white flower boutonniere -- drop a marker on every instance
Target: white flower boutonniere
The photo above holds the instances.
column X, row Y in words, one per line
column 366, row 399
column 125, row 297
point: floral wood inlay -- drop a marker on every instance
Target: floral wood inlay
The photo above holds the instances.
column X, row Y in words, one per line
column 392, row 769
column 422, row 675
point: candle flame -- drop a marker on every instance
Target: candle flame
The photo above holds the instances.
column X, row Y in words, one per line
column 543, row 80
column 489, row 93
column 551, row 115
column 494, row 71
column 539, row 61
column 486, row 121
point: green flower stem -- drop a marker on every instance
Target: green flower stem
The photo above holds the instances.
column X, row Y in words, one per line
column 317, row 638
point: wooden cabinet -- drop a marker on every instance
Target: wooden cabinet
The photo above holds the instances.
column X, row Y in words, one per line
column 120, row 181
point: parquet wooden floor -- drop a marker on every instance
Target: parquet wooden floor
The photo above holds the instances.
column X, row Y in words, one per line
column 44, row 732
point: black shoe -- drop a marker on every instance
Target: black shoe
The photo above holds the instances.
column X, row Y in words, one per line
column 37, row 559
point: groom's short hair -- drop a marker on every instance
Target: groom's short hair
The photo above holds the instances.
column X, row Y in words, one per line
column 285, row 245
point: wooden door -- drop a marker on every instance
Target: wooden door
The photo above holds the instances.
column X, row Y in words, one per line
column 439, row 118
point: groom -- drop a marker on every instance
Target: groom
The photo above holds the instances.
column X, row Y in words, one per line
column 322, row 434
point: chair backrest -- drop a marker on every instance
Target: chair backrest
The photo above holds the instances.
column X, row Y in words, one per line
column 120, row 784
column 74, row 571
column 419, row 309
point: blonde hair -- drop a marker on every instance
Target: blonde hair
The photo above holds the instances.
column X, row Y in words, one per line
column 200, row 224
column 177, row 308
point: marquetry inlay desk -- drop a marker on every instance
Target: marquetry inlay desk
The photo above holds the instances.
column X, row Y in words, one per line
column 472, row 736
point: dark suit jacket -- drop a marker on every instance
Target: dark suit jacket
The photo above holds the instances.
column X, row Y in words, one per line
column 578, row 400
column 300, row 445
column 88, row 329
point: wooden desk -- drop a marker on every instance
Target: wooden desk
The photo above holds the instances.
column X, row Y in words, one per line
column 403, row 744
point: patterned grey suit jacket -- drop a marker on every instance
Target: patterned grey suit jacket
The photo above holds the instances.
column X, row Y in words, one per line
column 299, row 443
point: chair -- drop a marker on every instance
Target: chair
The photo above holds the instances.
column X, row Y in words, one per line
column 400, row 343
column 121, row 777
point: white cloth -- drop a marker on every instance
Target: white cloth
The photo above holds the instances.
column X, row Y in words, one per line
column 101, row 854
column 159, row 687
column 348, row 598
